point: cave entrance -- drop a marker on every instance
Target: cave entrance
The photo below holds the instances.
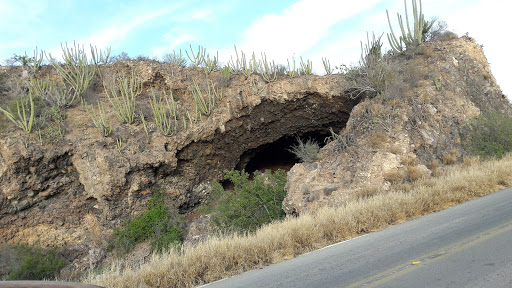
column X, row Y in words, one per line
column 275, row 155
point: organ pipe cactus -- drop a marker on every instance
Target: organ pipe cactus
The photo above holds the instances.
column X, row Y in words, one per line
column 166, row 114
column 197, row 58
column 210, row 64
column 21, row 119
column 306, row 67
column 77, row 71
column 411, row 38
column 267, row 69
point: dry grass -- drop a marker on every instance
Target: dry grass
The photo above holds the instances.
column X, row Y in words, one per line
column 434, row 164
column 368, row 191
column 415, row 173
column 395, row 175
column 219, row 257
column 451, row 157
column 378, row 138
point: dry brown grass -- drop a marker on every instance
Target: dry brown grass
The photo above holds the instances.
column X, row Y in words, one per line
column 378, row 138
column 368, row 191
column 434, row 164
column 451, row 157
column 219, row 257
column 415, row 173
column 396, row 175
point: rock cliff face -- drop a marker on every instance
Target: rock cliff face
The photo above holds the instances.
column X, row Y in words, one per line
column 407, row 133
column 73, row 193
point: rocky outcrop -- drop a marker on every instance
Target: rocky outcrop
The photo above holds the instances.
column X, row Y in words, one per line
column 405, row 134
column 73, row 193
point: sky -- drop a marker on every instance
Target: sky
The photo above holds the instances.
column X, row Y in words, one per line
column 282, row 29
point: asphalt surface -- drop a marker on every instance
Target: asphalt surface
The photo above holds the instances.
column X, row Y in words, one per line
column 469, row 245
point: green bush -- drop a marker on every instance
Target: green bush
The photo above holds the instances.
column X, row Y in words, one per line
column 155, row 224
column 30, row 262
column 251, row 203
column 489, row 135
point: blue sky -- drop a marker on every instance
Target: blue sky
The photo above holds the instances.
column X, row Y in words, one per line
column 281, row 28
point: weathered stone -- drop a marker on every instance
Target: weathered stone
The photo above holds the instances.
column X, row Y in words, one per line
column 329, row 189
column 59, row 185
column 388, row 130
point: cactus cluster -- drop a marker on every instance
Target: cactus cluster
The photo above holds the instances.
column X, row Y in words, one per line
column 410, row 38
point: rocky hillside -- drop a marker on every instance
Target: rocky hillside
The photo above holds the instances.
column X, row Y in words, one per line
column 414, row 128
column 72, row 191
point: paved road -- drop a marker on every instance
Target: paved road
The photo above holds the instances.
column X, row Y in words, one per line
column 469, row 245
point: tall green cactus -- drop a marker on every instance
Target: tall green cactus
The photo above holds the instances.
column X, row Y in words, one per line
column 411, row 38
column 21, row 119
column 77, row 71
column 197, row 58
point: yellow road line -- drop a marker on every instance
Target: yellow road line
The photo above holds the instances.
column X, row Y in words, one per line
column 424, row 260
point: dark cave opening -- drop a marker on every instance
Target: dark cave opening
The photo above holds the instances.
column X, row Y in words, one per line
column 275, row 155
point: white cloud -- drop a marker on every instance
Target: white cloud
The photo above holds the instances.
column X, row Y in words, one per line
column 302, row 29
column 115, row 33
column 21, row 12
column 202, row 15
column 13, row 44
column 299, row 27
column 484, row 21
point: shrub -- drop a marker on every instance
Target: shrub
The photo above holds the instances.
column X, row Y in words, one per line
column 142, row 58
column 396, row 175
column 23, row 60
column 305, row 151
column 341, row 141
column 374, row 73
column 31, row 262
column 175, row 59
column 416, row 172
column 155, row 224
column 123, row 56
column 50, row 124
column 489, row 135
column 452, row 156
column 53, row 93
column 251, row 204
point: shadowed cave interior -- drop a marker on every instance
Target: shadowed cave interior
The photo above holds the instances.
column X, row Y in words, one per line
column 275, row 155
